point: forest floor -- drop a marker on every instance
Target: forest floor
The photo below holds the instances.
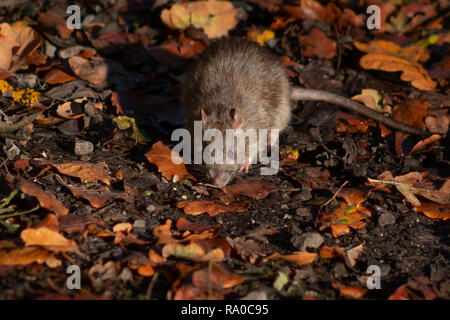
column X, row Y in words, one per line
column 86, row 181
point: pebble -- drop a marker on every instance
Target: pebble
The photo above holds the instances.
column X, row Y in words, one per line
column 139, row 224
column 386, row 219
column 311, row 240
column 83, row 147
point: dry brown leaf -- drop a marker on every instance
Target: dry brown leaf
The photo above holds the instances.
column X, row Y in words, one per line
column 50, row 20
column 86, row 172
column 411, row 112
column 98, row 198
column 192, row 251
column 415, row 285
column 45, row 199
column 355, row 292
column 94, row 71
column 350, row 214
column 26, row 256
column 316, row 43
column 71, row 109
column 123, row 227
column 164, row 234
column 373, row 99
column 216, row 277
column 216, row 18
column 253, row 188
column 57, row 76
column 212, row 208
column 48, row 239
column 435, row 210
column 388, row 56
column 298, row 258
column 161, row 156
column 17, row 41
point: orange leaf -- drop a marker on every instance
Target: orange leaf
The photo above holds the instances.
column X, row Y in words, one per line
column 256, row 189
column 164, row 234
column 216, row 18
column 161, row 156
column 216, row 277
column 87, row 172
column 17, row 41
column 318, row 44
column 355, row 292
column 388, row 56
column 341, row 219
column 435, row 210
column 57, row 76
column 26, row 256
column 210, row 207
column 45, row 199
column 47, row 238
column 298, row 258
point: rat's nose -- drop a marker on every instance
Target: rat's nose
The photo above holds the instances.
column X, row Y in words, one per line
column 221, row 180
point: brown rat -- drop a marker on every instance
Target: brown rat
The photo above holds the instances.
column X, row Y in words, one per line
column 238, row 84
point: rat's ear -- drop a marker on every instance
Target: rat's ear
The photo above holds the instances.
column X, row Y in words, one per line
column 236, row 119
column 204, row 116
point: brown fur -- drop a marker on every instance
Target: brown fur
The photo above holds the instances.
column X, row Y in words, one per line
column 239, row 75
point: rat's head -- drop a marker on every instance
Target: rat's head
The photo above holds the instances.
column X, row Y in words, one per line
column 222, row 119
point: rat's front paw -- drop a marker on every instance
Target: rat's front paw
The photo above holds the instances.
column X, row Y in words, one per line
column 245, row 167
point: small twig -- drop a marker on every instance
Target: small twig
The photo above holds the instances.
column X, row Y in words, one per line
column 334, row 196
column 5, row 127
column 15, row 214
column 111, row 157
column 148, row 295
column 331, row 152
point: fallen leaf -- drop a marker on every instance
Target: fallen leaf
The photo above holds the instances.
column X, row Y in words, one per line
column 434, row 210
column 298, row 258
column 192, row 251
column 353, row 254
column 249, row 250
column 411, row 112
column 373, row 99
column 260, row 36
column 425, row 145
column 123, row 227
column 216, row 18
column 164, row 234
column 161, row 156
column 50, row 20
column 410, row 290
column 215, row 277
column 75, row 223
column 17, row 41
column 86, row 172
column 71, row 109
column 45, row 199
column 316, row 43
column 212, row 208
column 124, row 123
column 26, row 256
column 355, row 292
column 253, row 188
column 184, row 224
column 410, row 189
column 49, row 239
column 100, row 197
column 388, row 56
column 349, row 214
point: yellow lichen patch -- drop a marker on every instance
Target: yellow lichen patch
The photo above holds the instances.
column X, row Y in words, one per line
column 24, row 96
